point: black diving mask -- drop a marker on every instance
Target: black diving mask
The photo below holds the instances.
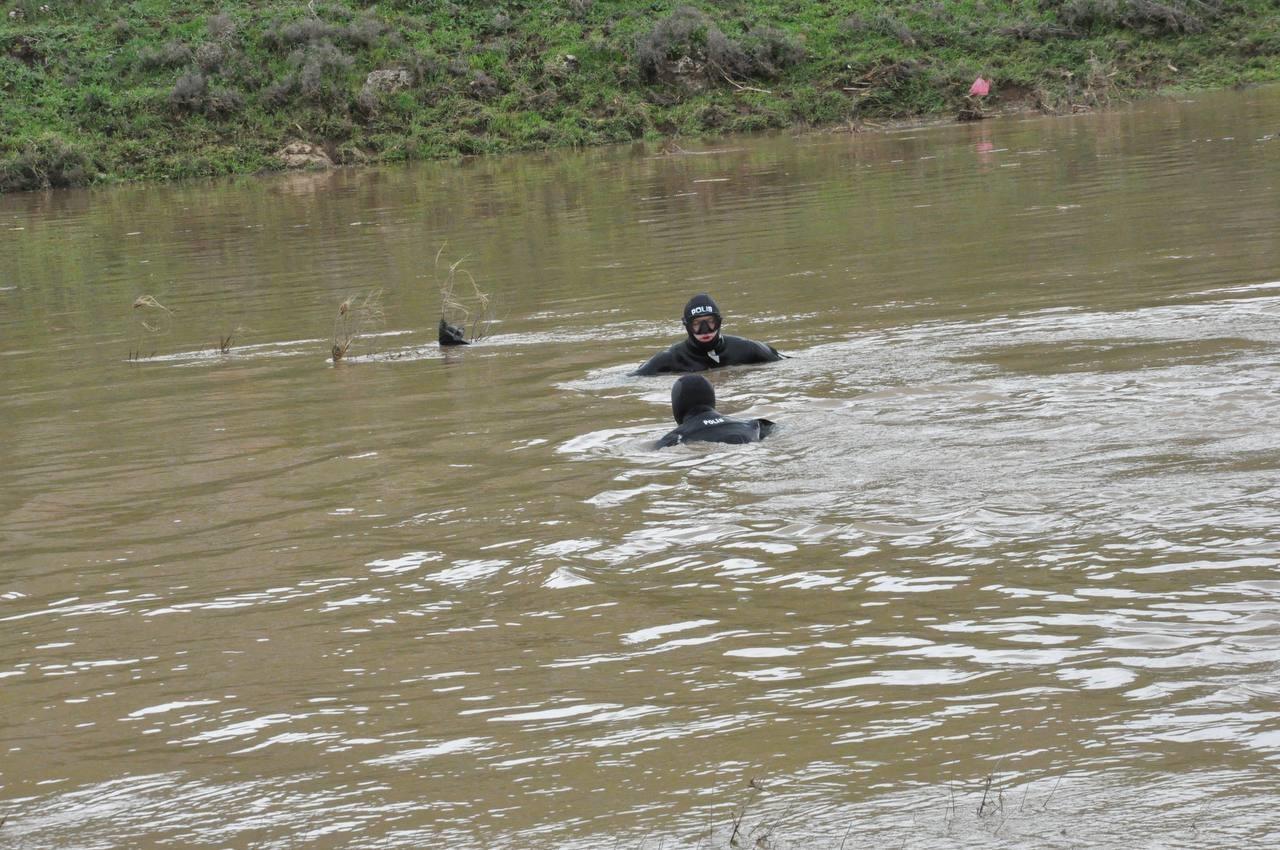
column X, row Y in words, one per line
column 704, row 325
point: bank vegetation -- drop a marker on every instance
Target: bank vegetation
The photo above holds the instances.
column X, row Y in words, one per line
column 96, row 90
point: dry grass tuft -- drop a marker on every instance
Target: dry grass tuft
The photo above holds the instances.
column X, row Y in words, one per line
column 154, row 319
column 462, row 303
column 356, row 317
column 153, row 314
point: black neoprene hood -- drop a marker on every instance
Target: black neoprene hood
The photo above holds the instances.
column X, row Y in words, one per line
column 700, row 305
column 691, row 394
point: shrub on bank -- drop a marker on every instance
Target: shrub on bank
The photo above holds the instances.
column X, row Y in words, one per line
column 1145, row 16
column 689, row 42
column 49, row 162
column 173, row 54
column 192, row 94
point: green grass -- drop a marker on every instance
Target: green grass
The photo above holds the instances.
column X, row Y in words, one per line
column 96, row 90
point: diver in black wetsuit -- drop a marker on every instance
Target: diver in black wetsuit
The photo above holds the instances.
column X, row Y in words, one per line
column 705, row 348
column 693, row 404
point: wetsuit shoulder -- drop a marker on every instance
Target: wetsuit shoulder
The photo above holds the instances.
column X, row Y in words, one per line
column 739, row 351
column 672, row 438
column 657, row 364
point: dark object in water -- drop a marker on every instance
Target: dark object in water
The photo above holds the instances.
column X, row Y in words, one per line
column 452, row 335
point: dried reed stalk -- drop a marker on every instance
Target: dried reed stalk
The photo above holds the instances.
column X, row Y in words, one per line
column 465, row 306
column 153, row 319
column 356, row 317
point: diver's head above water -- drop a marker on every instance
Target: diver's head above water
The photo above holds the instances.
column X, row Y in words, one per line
column 702, row 322
column 691, row 394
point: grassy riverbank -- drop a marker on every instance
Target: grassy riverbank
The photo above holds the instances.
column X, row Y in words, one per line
column 96, row 90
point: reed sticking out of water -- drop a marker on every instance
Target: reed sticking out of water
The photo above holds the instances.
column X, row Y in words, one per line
column 463, row 309
column 356, row 317
column 225, row 342
column 741, row 814
column 153, row 319
column 986, row 790
column 1045, row 806
column 996, row 805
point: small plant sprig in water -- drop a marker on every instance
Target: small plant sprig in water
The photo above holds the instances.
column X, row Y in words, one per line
column 225, row 342
column 356, row 317
column 464, row 310
column 153, row 320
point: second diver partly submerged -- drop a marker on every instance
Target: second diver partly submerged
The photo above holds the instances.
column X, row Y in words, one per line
column 693, row 404
column 705, row 347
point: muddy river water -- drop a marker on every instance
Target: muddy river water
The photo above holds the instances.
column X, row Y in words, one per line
column 1006, row 575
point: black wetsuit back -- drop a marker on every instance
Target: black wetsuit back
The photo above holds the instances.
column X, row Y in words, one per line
column 711, row 426
column 693, row 405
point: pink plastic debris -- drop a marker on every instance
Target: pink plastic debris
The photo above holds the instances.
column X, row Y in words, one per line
column 980, row 88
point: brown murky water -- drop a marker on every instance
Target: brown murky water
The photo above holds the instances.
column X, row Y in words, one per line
column 1006, row 576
